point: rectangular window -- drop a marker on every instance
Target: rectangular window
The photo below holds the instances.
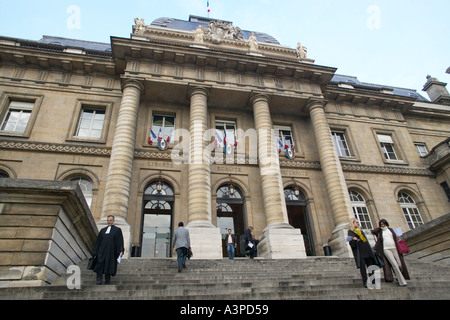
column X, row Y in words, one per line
column 163, row 127
column 387, row 145
column 284, row 137
column 91, row 123
column 340, row 143
column 17, row 116
column 421, row 149
column 225, row 133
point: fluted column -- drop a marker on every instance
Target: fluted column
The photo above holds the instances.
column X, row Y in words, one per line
column 199, row 167
column 279, row 240
column 117, row 191
column 272, row 187
column 334, row 178
column 206, row 240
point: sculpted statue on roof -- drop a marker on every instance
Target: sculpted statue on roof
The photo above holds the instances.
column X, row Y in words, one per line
column 140, row 26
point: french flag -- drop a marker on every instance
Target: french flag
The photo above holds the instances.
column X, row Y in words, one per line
column 152, row 135
column 208, row 6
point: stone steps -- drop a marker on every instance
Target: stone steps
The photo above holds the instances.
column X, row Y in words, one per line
column 315, row 278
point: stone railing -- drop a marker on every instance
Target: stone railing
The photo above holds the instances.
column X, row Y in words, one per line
column 431, row 241
column 45, row 227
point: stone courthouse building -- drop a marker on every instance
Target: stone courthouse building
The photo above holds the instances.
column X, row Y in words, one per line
column 202, row 122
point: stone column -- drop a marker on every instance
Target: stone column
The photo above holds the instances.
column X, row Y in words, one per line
column 334, row 179
column 117, row 190
column 206, row 241
column 279, row 240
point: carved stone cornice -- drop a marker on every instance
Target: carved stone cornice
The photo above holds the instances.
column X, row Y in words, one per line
column 387, row 170
column 55, row 147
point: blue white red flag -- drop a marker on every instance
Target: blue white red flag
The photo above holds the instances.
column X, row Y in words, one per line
column 152, row 136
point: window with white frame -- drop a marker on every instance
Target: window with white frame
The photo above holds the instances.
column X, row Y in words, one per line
column 91, row 122
column 410, row 210
column 360, row 209
column 225, row 133
column 86, row 186
column 284, row 137
column 340, row 143
column 17, row 116
column 163, row 127
column 387, row 145
column 421, row 149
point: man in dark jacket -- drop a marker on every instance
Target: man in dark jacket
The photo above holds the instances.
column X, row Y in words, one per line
column 108, row 248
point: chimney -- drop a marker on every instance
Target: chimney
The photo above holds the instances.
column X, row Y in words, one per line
column 437, row 91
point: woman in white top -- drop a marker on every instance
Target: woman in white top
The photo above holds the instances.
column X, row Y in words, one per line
column 385, row 245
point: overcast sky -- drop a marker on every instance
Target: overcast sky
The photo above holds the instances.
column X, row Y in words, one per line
column 389, row 42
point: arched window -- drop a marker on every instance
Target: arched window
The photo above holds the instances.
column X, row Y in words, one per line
column 86, row 186
column 360, row 209
column 291, row 194
column 3, row 174
column 410, row 210
column 159, row 188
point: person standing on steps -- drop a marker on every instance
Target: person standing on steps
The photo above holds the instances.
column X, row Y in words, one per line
column 181, row 243
column 362, row 252
column 250, row 242
column 387, row 248
column 108, row 248
column 230, row 240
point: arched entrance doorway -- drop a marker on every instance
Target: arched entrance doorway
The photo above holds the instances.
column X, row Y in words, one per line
column 156, row 230
column 230, row 215
column 298, row 216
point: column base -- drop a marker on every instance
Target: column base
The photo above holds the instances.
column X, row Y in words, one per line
column 281, row 241
column 126, row 232
column 206, row 240
column 338, row 243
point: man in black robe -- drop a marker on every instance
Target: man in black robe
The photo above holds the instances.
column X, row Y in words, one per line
column 108, row 248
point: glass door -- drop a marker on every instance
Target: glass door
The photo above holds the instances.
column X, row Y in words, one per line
column 156, row 236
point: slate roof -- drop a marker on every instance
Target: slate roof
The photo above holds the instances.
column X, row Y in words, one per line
column 370, row 87
column 73, row 43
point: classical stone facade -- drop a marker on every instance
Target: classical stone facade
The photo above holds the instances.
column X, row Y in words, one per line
column 202, row 122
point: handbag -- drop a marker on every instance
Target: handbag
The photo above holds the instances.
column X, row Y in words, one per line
column 402, row 247
column 92, row 262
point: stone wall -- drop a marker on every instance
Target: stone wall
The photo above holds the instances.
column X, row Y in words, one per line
column 45, row 226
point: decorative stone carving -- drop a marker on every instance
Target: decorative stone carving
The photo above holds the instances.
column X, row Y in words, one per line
column 219, row 30
column 253, row 42
column 199, row 34
column 301, row 51
column 139, row 27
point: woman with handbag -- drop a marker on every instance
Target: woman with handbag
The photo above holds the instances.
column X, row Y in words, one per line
column 362, row 252
column 386, row 246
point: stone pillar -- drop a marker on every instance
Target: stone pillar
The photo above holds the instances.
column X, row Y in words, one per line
column 279, row 239
column 206, row 241
column 334, row 179
column 117, row 190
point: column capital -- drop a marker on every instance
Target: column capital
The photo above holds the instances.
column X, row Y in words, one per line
column 257, row 96
column 315, row 103
column 132, row 82
column 194, row 89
